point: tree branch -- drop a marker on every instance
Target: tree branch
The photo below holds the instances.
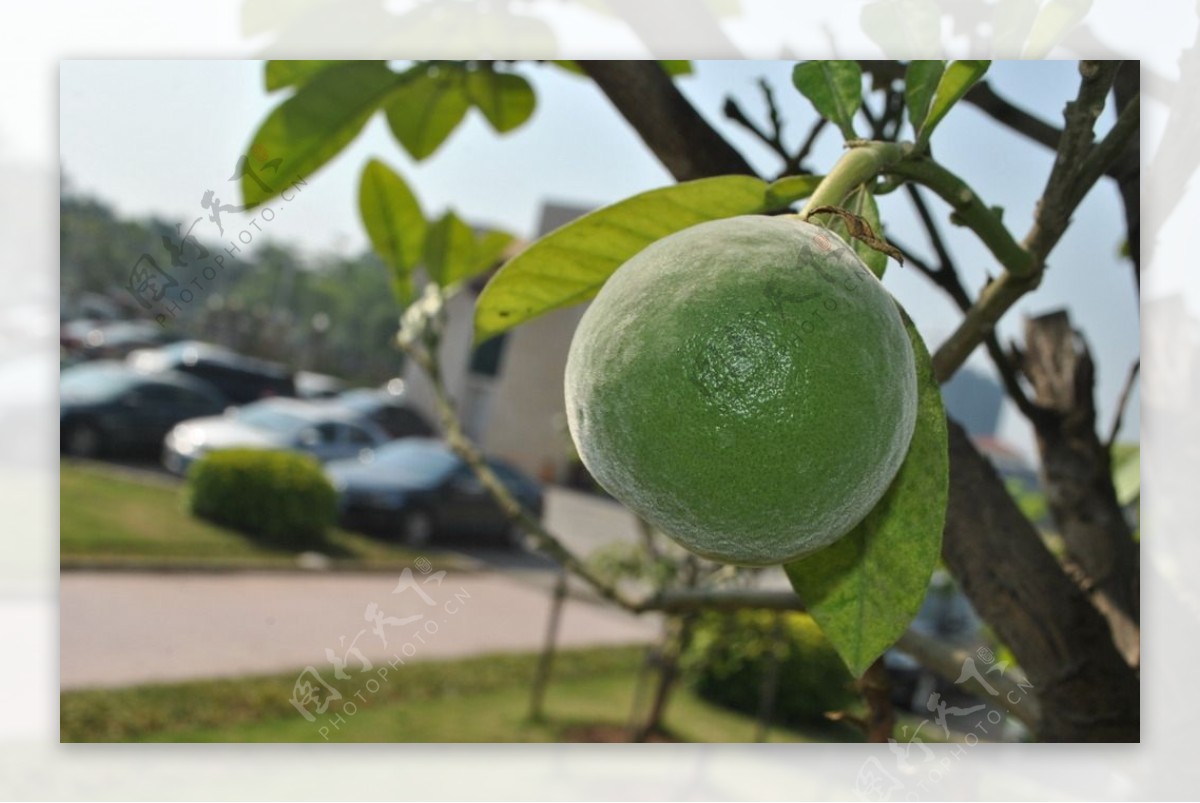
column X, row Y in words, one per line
column 774, row 138
column 986, row 100
column 1122, row 403
column 1077, row 473
column 1076, row 169
column 946, row 276
column 1129, row 172
column 664, row 119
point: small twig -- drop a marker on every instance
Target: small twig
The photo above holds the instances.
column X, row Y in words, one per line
column 773, row 138
column 873, row 121
column 1122, row 403
column 734, row 112
column 809, row 142
column 932, row 231
column 947, row 277
column 1066, row 185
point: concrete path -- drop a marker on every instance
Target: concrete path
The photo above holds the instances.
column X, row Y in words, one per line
column 119, row 629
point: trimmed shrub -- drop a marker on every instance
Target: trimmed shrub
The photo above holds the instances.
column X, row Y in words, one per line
column 729, row 656
column 277, row 496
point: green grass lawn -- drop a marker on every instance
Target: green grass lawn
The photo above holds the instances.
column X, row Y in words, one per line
column 483, row 699
column 113, row 518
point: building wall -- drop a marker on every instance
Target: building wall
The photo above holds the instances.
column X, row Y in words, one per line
column 526, row 421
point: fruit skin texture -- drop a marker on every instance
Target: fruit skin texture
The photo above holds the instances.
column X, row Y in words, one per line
column 745, row 385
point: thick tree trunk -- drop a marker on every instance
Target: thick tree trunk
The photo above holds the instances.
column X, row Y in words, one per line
column 1077, row 475
column 1086, row 690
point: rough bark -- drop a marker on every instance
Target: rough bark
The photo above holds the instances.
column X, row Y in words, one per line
column 1086, row 690
column 1077, row 474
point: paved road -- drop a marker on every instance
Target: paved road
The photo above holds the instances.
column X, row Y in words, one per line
column 125, row 628
column 119, row 629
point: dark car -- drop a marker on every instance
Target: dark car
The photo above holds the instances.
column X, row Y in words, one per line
column 388, row 410
column 417, row 489
column 108, row 407
column 239, row 378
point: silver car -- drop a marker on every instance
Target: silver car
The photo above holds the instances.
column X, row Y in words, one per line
column 325, row 430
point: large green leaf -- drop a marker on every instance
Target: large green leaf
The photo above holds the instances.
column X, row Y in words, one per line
column 427, row 107
column 834, row 88
column 920, row 82
column 954, row 83
column 506, row 99
column 313, row 125
column 284, row 73
column 865, row 589
column 569, row 265
column 394, row 222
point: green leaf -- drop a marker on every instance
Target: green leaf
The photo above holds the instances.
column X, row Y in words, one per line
column 280, row 74
column 954, row 83
column 861, row 202
column 394, row 222
column 427, row 107
column 489, row 250
column 569, row 265
column 506, row 99
column 677, row 68
column 1127, row 472
column 313, row 125
column 865, row 589
column 834, row 88
column 449, row 249
column 570, row 66
column 920, row 82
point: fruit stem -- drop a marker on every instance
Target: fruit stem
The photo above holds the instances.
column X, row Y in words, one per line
column 860, row 164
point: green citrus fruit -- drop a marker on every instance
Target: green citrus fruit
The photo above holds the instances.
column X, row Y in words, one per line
column 746, row 385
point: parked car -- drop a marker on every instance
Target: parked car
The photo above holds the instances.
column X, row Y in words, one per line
column 241, row 379
column 417, row 489
column 326, row 431
column 107, row 407
column 389, row 410
column 112, row 340
column 311, row 385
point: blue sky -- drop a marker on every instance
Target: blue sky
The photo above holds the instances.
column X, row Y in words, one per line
column 152, row 136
